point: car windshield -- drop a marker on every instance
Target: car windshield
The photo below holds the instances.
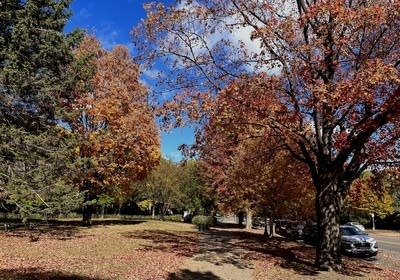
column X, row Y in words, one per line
column 351, row 231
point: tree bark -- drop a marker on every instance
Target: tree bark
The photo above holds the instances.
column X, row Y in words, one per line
column 87, row 215
column 163, row 210
column 328, row 204
column 240, row 216
column 119, row 208
column 103, row 208
column 266, row 226
column 87, row 209
column 249, row 218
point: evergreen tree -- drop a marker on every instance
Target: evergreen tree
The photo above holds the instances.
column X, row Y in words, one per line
column 36, row 86
column 33, row 61
column 34, row 171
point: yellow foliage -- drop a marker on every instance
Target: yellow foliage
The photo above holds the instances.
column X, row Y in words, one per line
column 367, row 195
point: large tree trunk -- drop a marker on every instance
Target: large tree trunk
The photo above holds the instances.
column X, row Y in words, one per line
column 269, row 229
column 163, row 210
column 87, row 215
column 87, row 209
column 266, row 226
column 240, row 216
column 272, row 227
column 249, row 218
column 119, row 208
column 328, row 206
column 103, row 210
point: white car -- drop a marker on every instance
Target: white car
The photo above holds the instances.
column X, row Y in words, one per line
column 357, row 225
column 357, row 242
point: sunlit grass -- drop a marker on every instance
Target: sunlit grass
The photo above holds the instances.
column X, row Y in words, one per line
column 100, row 252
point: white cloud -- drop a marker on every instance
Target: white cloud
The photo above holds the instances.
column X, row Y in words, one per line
column 83, row 14
column 243, row 34
column 238, row 37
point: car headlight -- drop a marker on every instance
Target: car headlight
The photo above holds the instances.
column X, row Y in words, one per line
column 348, row 245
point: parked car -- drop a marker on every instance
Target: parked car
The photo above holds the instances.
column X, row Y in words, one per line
column 353, row 240
column 296, row 230
column 258, row 222
column 357, row 225
column 281, row 227
column 290, row 229
column 357, row 242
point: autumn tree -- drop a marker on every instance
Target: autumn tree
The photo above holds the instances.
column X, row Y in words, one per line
column 116, row 130
column 389, row 178
column 367, row 195
column 161, row 187
column 35, row 87
column 196, row 194
column 329, row 68
column 255, row 175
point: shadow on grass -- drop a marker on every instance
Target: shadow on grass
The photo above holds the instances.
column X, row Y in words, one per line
column 186, row 274
column 229, row 225
column 237, row 246
column 59, row 229
column 357, row 266
column 179, row 243
column 222, row 246
column 36, row 273
column 96, row 222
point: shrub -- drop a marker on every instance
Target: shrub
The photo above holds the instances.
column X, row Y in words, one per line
column 173, row 218
column 206, row 221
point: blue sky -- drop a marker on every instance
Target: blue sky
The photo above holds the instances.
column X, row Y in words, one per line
column 111, row 22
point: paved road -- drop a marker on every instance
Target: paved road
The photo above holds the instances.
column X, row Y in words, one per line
column 389, row 243
column 389, row 248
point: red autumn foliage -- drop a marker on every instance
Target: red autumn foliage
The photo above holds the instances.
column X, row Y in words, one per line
column 323, row 76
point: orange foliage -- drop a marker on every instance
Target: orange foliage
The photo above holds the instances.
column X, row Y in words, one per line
column 116, row 128
column 321, row 76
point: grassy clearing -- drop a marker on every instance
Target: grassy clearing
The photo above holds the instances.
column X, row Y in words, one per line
column 135, row 250
column 140, row 249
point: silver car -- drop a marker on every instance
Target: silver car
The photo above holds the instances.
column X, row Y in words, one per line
column 357, row 225
column 357, row 242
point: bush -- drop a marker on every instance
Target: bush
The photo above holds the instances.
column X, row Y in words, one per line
column 203, row 221
column 173, row 218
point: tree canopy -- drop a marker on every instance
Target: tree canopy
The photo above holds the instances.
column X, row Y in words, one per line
column 34, row 59
column 322, row 75
column 178, row 186
column 371, row 193
column 116, row 130
column 36, row 86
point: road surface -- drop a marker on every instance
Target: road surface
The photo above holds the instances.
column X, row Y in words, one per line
column 389, row 248
column 390, row 244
